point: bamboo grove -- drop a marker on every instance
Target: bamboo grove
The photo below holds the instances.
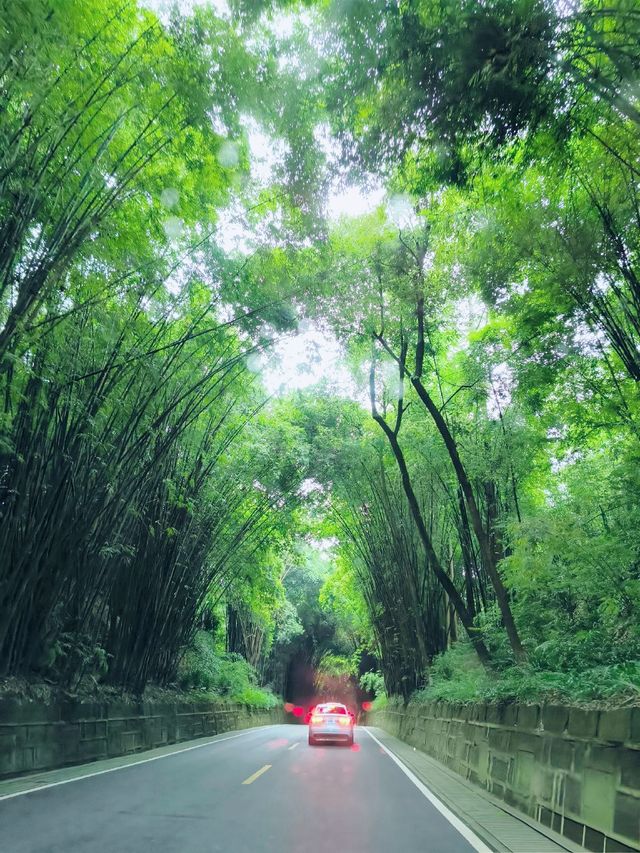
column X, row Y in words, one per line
column 490, row 319
column 120, row 511
column 459, row 498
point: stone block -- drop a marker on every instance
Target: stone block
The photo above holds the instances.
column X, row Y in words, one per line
column 7, row 740
column 126, row 710
column 544, row 786
column 509, row 714
column 524, row 772
column 22, row 735
column 593, row 839
column 483, row 760
column 499, row 739
column 72, row 712
column 26, row 759
column 525, row 742
column 554, row 718
column 579, row 756
column 8, row 755
column 462, row 748
column 626, row 820
column 615, row 725
column 561, row 756
column 118, row 725
column 528, row 716
column 560, row 781
column 630, row 768
column 9, row 710
column 468, row 732
column 545, row 816
column 573, row 795
column 496, row 788
column 635, row 726
column 613, row 845
column 473, row 758
column 604, row 758
column 115, row 744
column 69, row 733
column 90, row 750
column 481, row 734
column 583, row 723
column 573, row 830
column 478, row 712
column 47, row 755
column 476, row 779
column 513, row 798
column 598, row 795
column 12, row 711
column 499, row 769
column 494, row 714
column 39, row 734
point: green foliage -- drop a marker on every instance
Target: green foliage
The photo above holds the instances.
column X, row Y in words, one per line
column 228, row 676
column 373, row 682
column 482, row 485
column 337, row 666
column 455, row 676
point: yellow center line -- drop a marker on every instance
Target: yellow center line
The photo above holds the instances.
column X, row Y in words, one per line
column 255, row 775
column 293, row 745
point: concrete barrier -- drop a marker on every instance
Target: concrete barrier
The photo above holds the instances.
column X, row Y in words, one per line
column 574, row 770
column 36, row 737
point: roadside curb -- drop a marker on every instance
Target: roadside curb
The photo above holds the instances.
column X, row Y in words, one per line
column 503, row 829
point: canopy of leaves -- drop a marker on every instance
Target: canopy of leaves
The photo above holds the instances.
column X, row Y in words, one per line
column 472, row 497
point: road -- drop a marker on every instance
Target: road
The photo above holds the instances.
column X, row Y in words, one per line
column 259, row 790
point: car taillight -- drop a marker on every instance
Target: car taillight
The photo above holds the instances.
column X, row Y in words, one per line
column 316, row 719
column 345, row 721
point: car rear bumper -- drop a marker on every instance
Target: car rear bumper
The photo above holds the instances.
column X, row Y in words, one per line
column 331, row 734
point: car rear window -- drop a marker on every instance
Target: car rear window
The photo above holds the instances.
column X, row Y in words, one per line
column 332, row 709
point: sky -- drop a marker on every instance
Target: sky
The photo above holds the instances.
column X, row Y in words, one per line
column 301, row 360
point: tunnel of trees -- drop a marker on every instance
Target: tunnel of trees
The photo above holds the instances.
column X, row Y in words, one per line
column 441, row 202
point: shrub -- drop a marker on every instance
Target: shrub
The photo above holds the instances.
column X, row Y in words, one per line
column 226, row 675
column 457, row 676
column 373, row 682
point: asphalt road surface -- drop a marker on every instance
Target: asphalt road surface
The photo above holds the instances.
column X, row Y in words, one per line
column 258, row 790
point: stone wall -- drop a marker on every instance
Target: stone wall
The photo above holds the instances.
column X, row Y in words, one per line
column 36, row 737
column 574, row 770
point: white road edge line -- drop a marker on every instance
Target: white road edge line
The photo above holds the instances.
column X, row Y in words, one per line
column 462, row 828
column 293, row 745
column 123, row 766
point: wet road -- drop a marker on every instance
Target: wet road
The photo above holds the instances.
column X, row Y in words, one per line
column 259, row 790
